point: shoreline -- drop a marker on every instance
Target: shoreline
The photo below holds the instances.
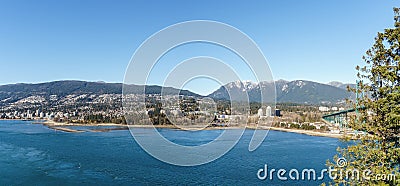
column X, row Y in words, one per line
column 64, row 127
column 309, row 132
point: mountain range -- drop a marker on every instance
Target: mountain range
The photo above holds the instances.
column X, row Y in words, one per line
column 14, row 92
column 298, row 91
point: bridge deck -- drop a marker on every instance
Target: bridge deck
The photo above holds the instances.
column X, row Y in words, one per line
column 341, row 112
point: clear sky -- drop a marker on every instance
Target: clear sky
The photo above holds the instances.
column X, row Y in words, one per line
column 94, row 40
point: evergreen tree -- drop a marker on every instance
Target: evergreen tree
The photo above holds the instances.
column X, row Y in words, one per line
column 378, row 115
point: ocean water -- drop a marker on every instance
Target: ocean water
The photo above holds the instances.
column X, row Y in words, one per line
column 32, row 154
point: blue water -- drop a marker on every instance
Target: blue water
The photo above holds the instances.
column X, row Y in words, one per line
column 32, row 154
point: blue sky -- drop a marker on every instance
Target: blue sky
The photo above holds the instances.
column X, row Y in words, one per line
column 94, row 40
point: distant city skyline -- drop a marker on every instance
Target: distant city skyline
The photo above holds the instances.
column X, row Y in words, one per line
column 42, row 41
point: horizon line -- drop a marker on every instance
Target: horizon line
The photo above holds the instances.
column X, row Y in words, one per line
column 119, row 82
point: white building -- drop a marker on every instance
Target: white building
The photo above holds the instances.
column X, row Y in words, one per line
column 268, row 112
column 323, row 109
column 260, row 112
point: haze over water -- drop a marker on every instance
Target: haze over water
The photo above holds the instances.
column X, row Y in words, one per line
column 32, row 154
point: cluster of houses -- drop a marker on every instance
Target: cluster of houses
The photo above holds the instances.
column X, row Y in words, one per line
column 38, row 114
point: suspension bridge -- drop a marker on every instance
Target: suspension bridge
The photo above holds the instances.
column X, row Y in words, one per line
column 341, row 118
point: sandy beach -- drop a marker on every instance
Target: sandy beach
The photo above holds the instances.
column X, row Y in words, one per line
column 308, row 132
column 64, row 127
